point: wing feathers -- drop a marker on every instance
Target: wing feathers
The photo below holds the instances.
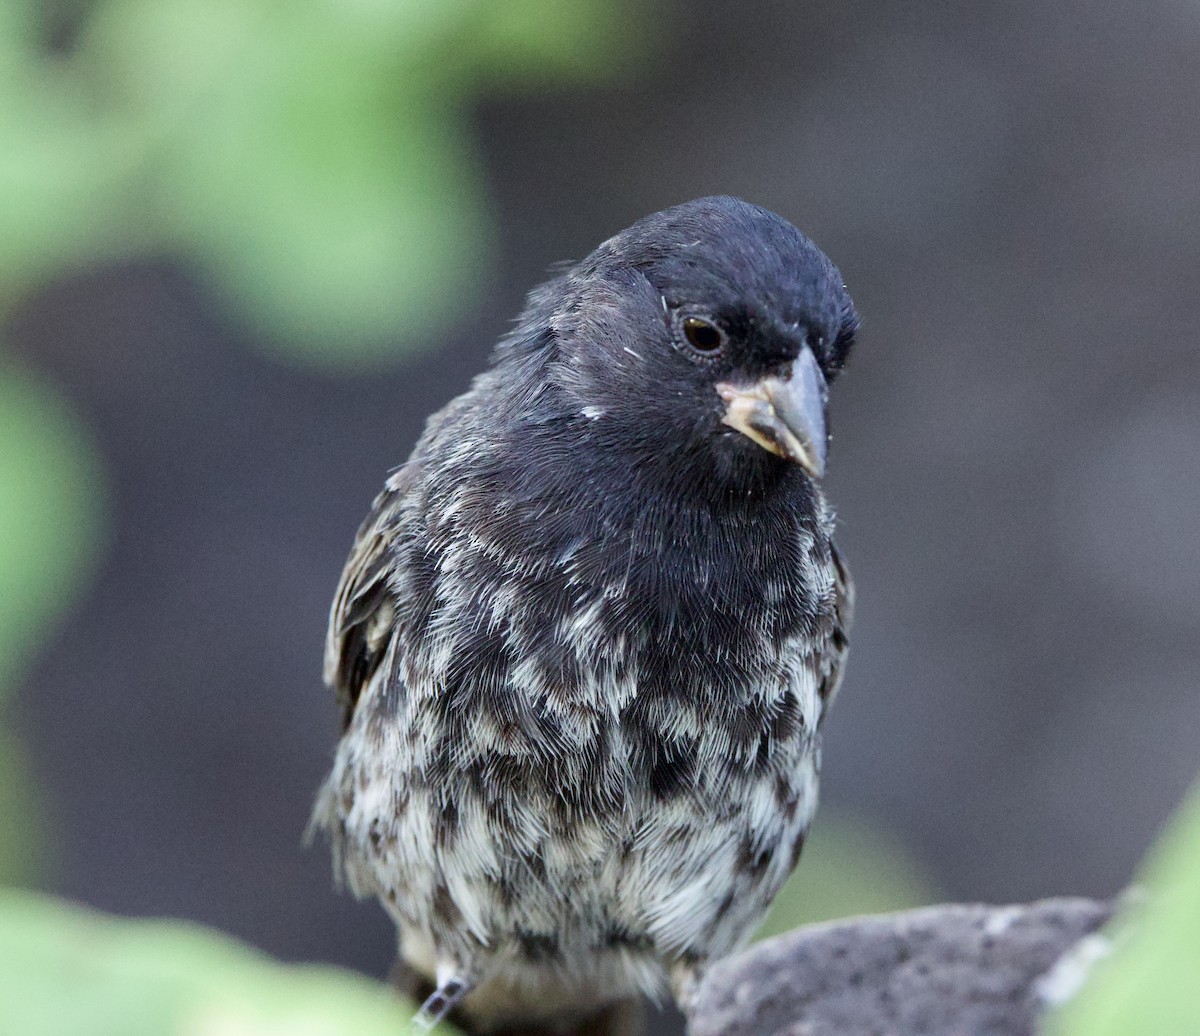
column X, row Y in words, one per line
column 363, row 616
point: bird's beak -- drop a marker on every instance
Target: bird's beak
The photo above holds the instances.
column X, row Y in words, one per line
column 785, row 415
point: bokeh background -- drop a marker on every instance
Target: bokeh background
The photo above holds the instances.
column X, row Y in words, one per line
column 247, row 246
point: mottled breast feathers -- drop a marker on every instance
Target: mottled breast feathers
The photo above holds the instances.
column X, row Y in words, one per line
column 363, row 617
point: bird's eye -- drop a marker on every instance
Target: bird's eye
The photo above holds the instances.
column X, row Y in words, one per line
column 702, row 336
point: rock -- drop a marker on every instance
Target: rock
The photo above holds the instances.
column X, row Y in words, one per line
column 949, row 970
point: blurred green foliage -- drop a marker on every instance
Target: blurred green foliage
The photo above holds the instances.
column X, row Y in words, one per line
column 61, row 161
column 66, row 971
column 50, row 511
column 311, row 159
column 1151, row 983
column 848, row 867
column 51, row 518
column 23, row 835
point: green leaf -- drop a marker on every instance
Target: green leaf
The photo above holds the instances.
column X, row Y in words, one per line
column 67, row 970
column 340, row 234
column 52, row 508
column 1151, row 983
column 313, row 159
column 22, row 830
column 64, row 172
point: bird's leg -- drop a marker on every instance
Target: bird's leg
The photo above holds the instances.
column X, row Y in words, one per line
column 448, row 995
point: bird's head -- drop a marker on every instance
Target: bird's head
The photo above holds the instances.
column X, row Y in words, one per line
column 711, row 330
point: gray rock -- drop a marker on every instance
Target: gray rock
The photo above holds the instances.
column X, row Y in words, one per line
column 947, row 970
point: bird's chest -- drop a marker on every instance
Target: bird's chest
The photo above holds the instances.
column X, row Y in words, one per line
column 590, row 668
column 585, row 666
column 600, row 751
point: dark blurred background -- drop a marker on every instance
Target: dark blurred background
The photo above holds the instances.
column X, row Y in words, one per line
column 246, row 253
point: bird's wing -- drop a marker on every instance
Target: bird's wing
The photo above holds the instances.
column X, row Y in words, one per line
column 843, row 617
column 363, row 616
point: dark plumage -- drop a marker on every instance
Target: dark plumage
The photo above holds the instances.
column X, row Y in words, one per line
column 588, row 632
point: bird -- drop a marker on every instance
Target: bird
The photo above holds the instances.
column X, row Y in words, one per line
column 588, row 632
